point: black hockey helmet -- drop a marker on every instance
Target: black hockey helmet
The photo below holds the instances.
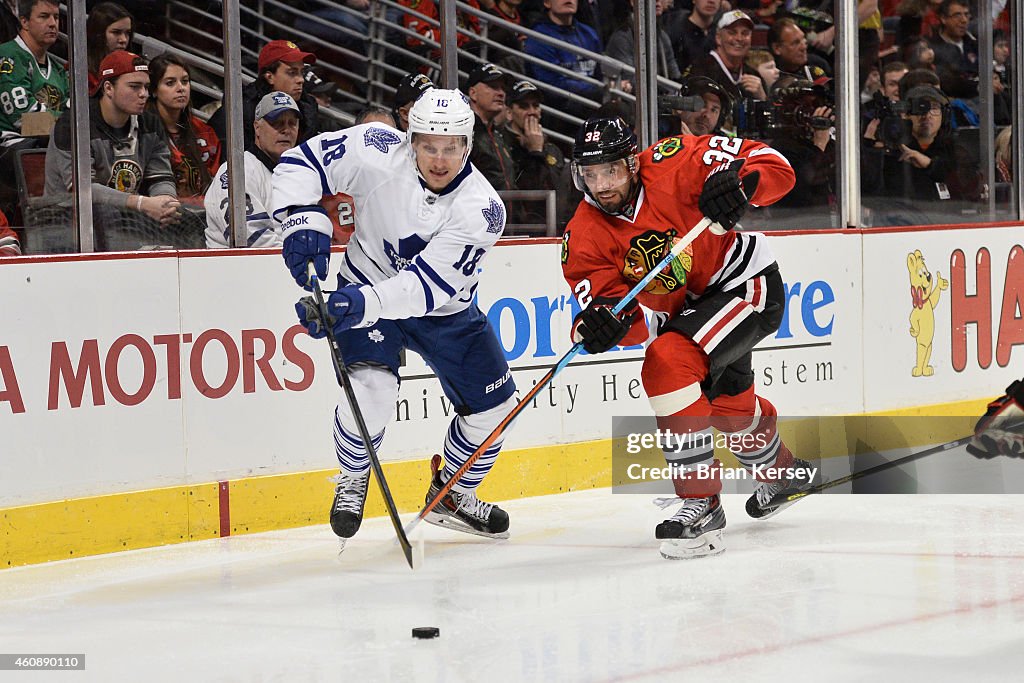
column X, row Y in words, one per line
column 602, row 140
column 697, row 86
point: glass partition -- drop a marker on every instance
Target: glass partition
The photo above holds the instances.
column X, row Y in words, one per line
column 933, row 126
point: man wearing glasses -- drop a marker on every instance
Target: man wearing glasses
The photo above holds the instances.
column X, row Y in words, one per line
column 956, row 50
column 930, row 165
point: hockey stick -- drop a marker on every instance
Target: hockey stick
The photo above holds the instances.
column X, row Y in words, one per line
column 941, row 448
column 343, row 380
column 677, row 249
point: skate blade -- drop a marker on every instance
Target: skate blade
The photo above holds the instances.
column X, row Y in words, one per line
column 782, row 506
column 446, row 522
column 688, row 548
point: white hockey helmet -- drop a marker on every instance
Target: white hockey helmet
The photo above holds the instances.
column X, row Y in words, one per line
column 442, row 112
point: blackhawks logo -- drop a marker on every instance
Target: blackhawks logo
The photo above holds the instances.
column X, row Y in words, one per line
column 50, row 97
column 668, row 147
column 646, row 250
column 126, row 176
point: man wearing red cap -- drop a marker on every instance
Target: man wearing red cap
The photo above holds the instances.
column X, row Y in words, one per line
column 281, row 66
column 131, row 163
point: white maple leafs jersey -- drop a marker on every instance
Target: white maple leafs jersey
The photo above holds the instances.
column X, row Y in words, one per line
column 260, row 229
column 419, row 250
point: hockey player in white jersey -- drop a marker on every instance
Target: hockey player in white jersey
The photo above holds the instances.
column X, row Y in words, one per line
column 426, row 218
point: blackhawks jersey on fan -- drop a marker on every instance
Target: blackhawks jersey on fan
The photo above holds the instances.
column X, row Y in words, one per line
column 604, row 255
column 419, row 249
column 27, row 86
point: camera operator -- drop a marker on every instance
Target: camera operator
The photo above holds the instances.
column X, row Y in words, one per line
column 927, row 164
column 804, row 135
column 707, row 119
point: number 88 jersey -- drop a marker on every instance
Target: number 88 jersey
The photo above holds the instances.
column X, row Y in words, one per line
column 26, row 86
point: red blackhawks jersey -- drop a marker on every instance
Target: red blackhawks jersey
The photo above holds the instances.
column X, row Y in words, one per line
column 605, row 256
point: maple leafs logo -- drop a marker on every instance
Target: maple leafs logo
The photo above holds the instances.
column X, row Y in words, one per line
column 494, row 214
column 380, row 139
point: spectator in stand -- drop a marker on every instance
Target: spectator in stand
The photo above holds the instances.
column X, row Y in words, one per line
column 375, row 114
column 919, row 55
column 956, row 50
column 275, row 130
column 1003, row 104
column 131, row 164
column 691, row 33
column 409, row 90
column 31, row 81
column 918, row 19
column 322, row 90
column 560, row 24
column 512, row 41
column 931, row 166
column 194, row 147
column 620, row 47
column 763, row 62
column 281, row 67
column 717, row 106
column 599, row 15
column 788, row 44
column 726, row 65
column 892, row 74
column 430, row 28
column 9, row 244
column 539, row 163
column 107, row 28
column 486, row 90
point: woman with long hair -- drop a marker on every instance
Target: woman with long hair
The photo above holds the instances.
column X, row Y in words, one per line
column 108, row 28
column 195, row 148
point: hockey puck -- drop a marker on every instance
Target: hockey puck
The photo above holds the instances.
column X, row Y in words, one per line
column 426, row 632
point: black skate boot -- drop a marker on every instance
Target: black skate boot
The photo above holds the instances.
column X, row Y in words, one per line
column 464, row 511
column 349, row 497
column 695, row 530
column 771, row 498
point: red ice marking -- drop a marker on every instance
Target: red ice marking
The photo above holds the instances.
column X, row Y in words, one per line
column 225, row 509
column 776, row 648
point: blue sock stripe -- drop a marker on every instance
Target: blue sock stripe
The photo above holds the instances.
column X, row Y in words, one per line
column 351, row 452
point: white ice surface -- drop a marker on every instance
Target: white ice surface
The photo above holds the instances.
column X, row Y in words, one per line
column 836, row 588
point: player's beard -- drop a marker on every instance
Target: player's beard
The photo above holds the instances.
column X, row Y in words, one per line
column 622, row 203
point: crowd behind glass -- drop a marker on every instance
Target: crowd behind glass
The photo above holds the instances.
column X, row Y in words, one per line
column 750, row 68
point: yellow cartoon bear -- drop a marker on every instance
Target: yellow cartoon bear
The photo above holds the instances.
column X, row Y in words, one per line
column 924, row 293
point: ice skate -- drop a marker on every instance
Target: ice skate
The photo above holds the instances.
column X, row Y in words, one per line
column 464, row 511
column 770, row 498
column 695, row 530
column 349, row 498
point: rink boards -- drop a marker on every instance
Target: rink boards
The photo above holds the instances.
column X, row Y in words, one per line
column 156, row 397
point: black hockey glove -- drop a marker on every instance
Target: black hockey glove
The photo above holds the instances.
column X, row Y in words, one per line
column 1001, row 430
column 725, row 196
column 599, row 329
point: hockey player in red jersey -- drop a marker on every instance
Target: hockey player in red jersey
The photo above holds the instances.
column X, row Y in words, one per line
column 710, row 306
